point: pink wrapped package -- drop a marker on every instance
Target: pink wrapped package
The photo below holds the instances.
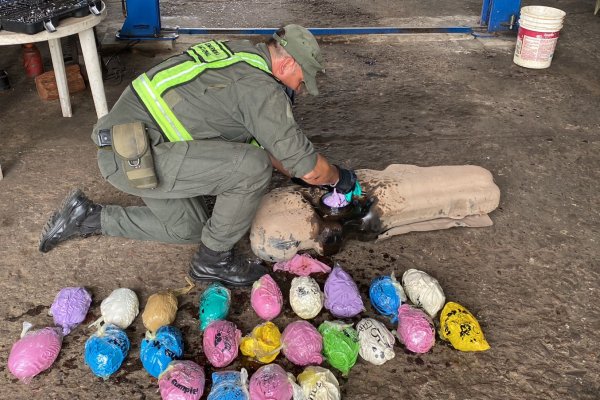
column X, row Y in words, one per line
column 34, row 352
column 302, row 343
column 270, row 382
column 301, row 265
column 266, row 298
column 182, row 380
column 70, row 308
column 342, row 297
column 221, row 342
column 415, row 329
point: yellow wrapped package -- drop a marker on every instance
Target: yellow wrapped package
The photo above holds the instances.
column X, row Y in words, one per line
column 161, row 307
column 263, row 344
column 461, row 329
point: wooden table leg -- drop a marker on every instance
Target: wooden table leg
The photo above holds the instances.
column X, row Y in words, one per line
column 92, row 65
column 61, row 76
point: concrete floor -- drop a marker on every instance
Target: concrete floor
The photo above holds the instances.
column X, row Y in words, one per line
column 532, row 279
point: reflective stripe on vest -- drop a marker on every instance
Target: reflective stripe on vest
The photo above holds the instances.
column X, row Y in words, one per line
column 209, row 55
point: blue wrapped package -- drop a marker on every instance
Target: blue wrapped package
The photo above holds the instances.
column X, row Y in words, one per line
column 214, row 304
column 229, row 385
column 386, row 296
column 106, row 350
column 158, row 350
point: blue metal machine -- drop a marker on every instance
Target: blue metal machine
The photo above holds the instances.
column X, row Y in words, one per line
column 142, row 22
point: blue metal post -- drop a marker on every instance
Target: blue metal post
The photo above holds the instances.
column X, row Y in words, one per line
column 142, row 20
column 500, row 15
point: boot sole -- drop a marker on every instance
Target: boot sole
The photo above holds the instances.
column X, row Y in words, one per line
column 208, row 278
column 57, row 219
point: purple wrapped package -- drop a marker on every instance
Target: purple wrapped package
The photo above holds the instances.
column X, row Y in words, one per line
column 335, row 200
column 270, row 382
column 266, row 298
column 34, row 352
column 70, row 307
column 302, row 343
column 221, row 342
column 342, row 297
column 182, row 380
column 415, row 329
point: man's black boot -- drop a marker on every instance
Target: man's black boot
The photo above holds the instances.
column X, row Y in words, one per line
column 236, row 270
column 77, row 216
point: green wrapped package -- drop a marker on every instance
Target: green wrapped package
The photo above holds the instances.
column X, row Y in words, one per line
column 214, row 304
column 340, row 345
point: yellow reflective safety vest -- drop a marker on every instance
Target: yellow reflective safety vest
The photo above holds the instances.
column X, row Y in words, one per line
column 209, row 55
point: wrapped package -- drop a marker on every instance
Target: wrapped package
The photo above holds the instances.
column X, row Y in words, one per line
column 229, row 385
column 306, row 297
column 302, row 343
column 120, row 308
column 302, row 265
column 161, row 307
column 340, row 345
column 271, row 382
column 182, row 380
column 220, row 342
column 375, row 340
column 424, row 291
column 319, row 384
column 106, row 350
column 266, row 298
column 415, row 329
column 386, row 295
column 263, row 344
column 70, row 308
column 214, row 304
column 34, row 352
column 158, row 350
column 461, row 329
column 342, row 297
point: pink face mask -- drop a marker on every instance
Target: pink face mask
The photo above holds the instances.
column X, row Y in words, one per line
column 266, row 298
column 270, row 382
column 221, row 342
column 415, row 329
column 34, row 352
column 302, row 343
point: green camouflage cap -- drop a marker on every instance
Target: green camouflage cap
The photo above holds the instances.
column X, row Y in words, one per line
column 303, row 47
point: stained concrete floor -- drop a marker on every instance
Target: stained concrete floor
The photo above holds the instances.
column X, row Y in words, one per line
column 532, row 279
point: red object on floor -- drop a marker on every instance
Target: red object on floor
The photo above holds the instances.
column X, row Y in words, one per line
column 32, row 60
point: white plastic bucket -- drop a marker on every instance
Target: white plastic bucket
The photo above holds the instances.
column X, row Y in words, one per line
column 537, row 37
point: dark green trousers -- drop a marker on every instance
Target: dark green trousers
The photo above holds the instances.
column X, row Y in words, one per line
column 175, row 212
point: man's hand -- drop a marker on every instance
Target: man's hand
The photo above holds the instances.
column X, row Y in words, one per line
column 347, row 181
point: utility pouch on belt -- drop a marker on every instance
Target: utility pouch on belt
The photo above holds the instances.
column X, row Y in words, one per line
column 130, row 144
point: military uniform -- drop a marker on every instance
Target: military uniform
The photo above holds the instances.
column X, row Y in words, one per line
column 223, row 110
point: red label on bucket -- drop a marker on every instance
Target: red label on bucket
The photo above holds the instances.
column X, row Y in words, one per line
column 535, row 46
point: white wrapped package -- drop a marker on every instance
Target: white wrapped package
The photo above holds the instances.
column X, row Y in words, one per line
column 306, row 297
column 120, row 308
column 375, row 340
column 319, row 384
column 424, row 291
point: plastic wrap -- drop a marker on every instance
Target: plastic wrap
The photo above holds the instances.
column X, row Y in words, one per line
column 424, row 291
column 266, row 298
column 161, row 307
column 335, row 200
column 158, row 350
column 386, row 295
column 263, row 344
column 375, row 340
column 461, row 329
column 120, row 308
column 182, row 380
column 415, row 329
column 70, row 308
column 271, row 382
column 342, row 297
column 319, row 384
column 220, row 342
column 214, row 304
column 340, row 345
column 302, row 265
column 34, row 352
column 302, row 343
column 106, row 350
column 229, row 385
column 306, row 298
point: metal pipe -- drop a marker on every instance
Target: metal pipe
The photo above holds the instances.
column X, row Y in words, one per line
column 325, row 31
